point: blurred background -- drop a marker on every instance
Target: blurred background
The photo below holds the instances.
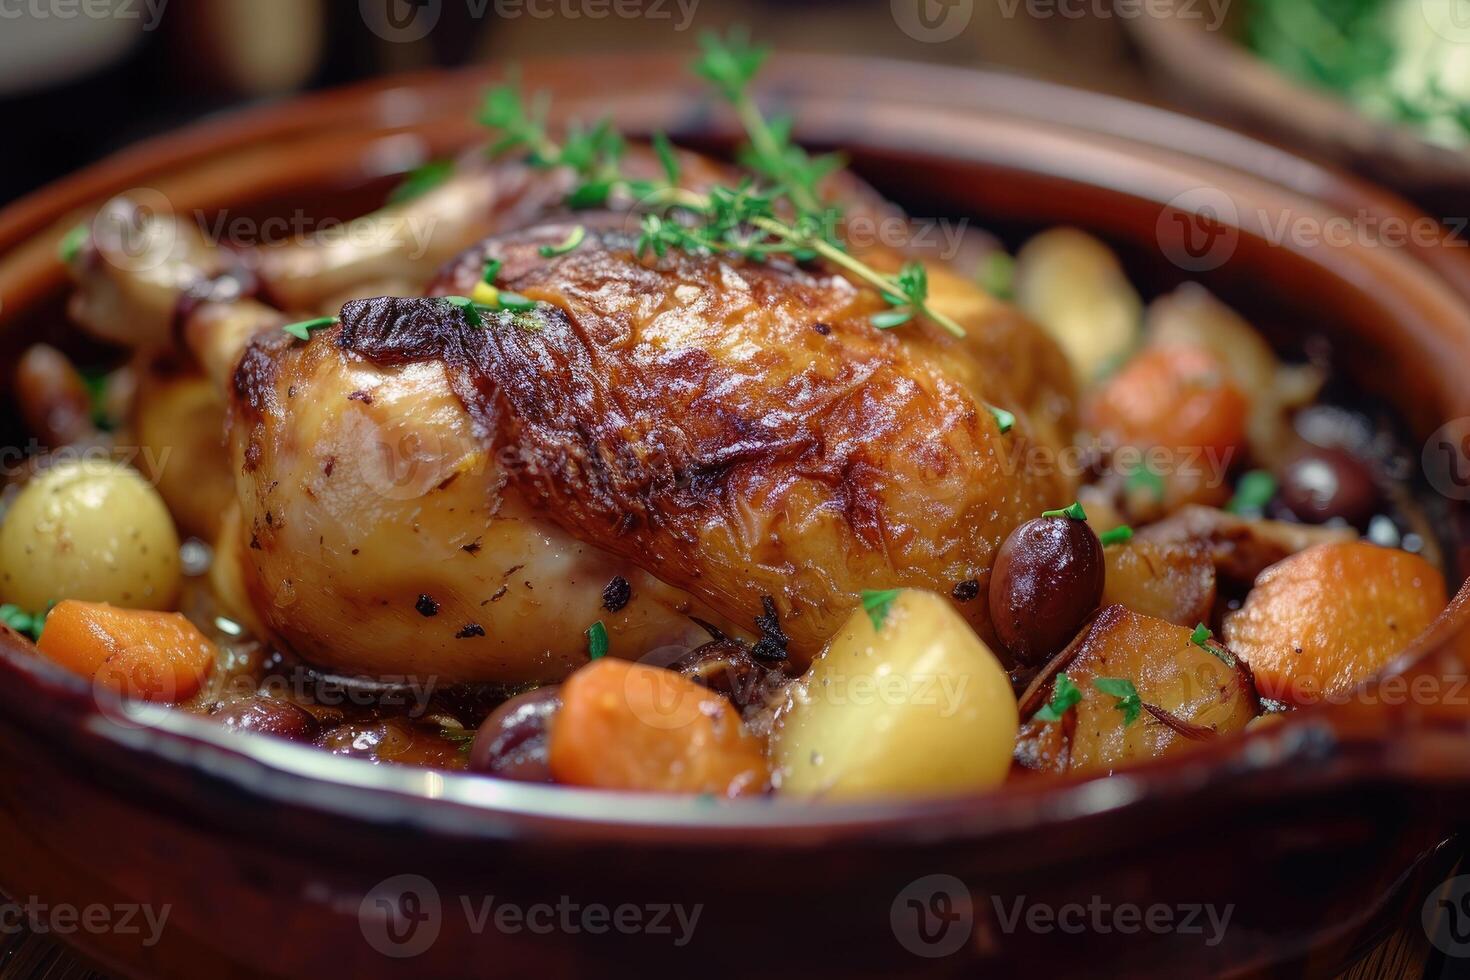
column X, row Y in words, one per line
column 81, row 78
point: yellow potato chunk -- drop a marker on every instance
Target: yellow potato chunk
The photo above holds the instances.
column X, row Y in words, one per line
column 92, row 530
column 918, row 707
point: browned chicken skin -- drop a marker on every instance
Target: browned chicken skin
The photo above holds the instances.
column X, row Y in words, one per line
column 732, row 430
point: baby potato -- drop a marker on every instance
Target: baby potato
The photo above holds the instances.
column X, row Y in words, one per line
column 92, row 530
column 1072, row 285
column 917, row 707
column 180, row 422
column 1325, row 619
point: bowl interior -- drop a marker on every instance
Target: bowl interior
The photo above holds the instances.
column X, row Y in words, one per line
column 995, row 152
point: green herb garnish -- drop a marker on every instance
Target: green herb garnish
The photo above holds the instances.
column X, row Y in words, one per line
column 303, row 329
column 1064, row 694
column 420, row 180
column 596, row 640
column 1202, row 637
column 1005, row 420
column 73, row 242
column 572, row 241
column 492, row 269
column 463, row 738
column 740, row 221
column 1073, row 510
column 1253, row 492
column 21, row 621
column 876, row 603
column 1126, row 694
column 1118, row 535
column 468, row 307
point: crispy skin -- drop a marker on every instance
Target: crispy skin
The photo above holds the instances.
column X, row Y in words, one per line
column 741, row 430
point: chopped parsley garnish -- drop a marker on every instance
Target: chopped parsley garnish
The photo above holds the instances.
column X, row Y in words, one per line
column 420, row 180
column 1203, row 638
column 21, row 621
column 1118, row 535
column 1004, row 419
column 876, row 603
column 1073, row 510
column 1253, row 492
column 1064, row 695
column 1126, row 695
column 303, row 329
column 467, row 307
column 571, row 242
column 73, row 242
column 596, row 640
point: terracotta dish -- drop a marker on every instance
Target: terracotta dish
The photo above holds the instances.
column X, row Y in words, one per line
column 1317, row 833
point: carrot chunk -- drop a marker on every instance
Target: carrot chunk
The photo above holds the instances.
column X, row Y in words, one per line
column 156, row 656
column 1318, row 623
column 632, row 727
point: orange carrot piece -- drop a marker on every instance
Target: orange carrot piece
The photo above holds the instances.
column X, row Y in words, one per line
column 1174, row 397
column 1321, row 621
column 632, row 727
column 156, row 656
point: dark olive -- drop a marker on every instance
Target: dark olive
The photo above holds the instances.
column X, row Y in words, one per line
column 1047, row 579
column 512, row 742
column 728, row 667
column 270, row 716
column 1320, row 484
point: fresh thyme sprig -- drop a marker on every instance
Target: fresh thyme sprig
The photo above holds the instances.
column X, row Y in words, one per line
column 741, row 221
